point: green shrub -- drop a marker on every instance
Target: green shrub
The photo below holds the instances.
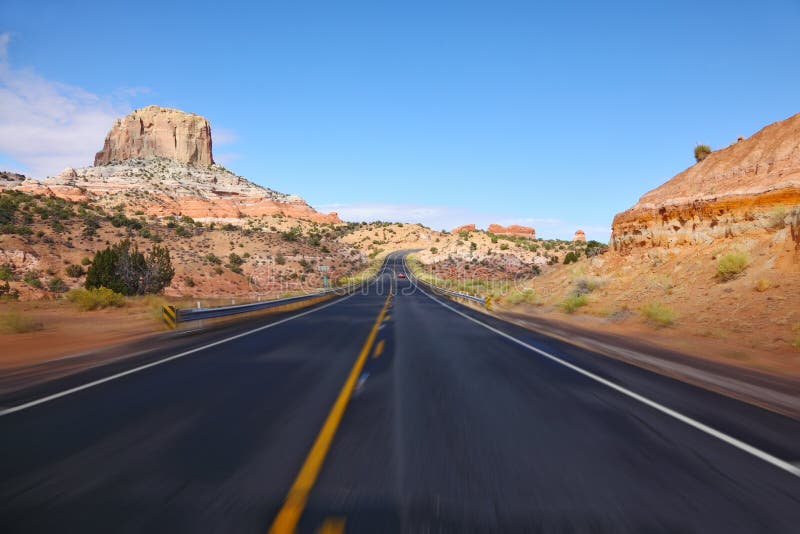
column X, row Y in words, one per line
column 74, row 271
column 573, row 302
column 731, row 265
column 95, row 298
column 32, row 279
column 15, row 323
column 280, row 259
column 570, row 257
column 6, row 273
column 189, row 281
column 504, row 246
column 659, row 313
column 434, row 250
column 123, row 269
column 293, row 234
column 6, row 293
column 213, row 259
column 57, row 285
column 86, row 261
column 701, row 152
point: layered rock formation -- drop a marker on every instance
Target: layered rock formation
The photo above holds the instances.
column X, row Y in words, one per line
column 750, row 187
column 579, row 236
column 463, row 228
column 512, row 230
column 154, row 131
column 161, row 187
column 158, row 161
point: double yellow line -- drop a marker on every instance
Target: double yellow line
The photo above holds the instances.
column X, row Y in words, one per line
column 289, row 514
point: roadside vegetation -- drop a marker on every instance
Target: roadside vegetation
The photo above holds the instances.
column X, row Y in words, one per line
column 95, row 298
column 16, row 323
column 731, row 265
column 659, row 314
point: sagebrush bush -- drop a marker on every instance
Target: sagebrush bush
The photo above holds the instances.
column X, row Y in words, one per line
column 573, row 302
column 701, row 152
column 659, row 313
column 95, row 298
column 731, row 265
column 15, row 323
column 74, row 271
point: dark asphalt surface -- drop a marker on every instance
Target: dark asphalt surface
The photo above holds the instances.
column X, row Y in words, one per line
column 453, row 429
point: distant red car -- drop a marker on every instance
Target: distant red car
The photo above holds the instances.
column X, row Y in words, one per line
column 401, row 275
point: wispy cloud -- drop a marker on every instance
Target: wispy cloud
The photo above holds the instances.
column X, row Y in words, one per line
column 223, row 136
column 225, row 158
column 46, row 125
column 445, row 217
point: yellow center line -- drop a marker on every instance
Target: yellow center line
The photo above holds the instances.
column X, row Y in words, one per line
column 289, row 514
column 378, row 348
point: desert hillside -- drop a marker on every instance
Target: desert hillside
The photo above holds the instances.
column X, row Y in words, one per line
column 708, row 261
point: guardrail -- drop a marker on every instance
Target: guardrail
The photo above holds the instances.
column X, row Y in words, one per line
column 172, row 316
column 485, row 302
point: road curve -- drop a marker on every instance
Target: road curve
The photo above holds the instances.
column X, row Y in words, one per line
column 444, row 425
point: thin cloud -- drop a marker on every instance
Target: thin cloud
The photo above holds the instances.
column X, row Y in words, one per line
column 223, row 136
column 47, row 125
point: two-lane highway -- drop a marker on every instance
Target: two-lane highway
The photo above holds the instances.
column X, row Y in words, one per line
column 394, row 410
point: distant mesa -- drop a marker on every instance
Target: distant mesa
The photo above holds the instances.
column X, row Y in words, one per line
column 579, row 236
column 512, row 230
column 464, row 228
column 751, row 187
column 154, row 131
column 158, row 162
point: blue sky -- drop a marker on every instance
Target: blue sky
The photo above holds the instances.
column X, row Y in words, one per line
column 556, row 115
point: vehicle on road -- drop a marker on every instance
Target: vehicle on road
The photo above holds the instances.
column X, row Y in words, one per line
column 401, row 275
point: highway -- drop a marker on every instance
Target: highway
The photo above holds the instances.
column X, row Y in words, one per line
column 391, row 410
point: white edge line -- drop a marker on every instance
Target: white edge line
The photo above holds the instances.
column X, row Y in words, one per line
column 88, row 385
column 730, row 440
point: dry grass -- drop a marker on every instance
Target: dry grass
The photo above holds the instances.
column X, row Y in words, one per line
column 521, row 296
column 659, row 314
column 731, row 265
column 16, row 323
column 762, row 284
column 573, row 302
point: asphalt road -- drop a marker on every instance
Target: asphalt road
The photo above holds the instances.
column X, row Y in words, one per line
column 393, row 410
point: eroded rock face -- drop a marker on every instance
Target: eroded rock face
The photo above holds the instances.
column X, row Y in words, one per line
column 749, row 188
column 154, row 131
column 579, row 236
column 161, row 187
column 463, row 228
column 512, row 230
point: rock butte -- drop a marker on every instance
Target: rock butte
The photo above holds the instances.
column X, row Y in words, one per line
column 748, row 188
column 154, row 131
column 464, row 228
column 579, row 236
column 159, row 161
column 512, row 230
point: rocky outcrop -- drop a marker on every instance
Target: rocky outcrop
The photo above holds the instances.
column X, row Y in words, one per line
column 158, row 161
column 154, row 131
column 463, row 228
column 579, row 236
column 747, row 188
column 512, row 230
column 161, row 187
